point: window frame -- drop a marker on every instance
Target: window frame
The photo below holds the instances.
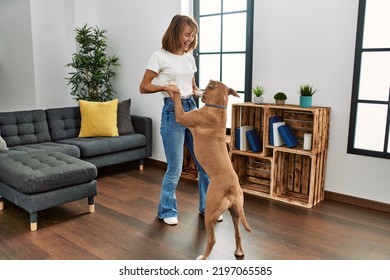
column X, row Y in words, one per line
column 355, row 101
column 249, row 46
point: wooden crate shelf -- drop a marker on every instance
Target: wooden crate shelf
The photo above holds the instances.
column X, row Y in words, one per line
column 313, row 120
column 254, row 173
column 248, row 115
column 298, row 178
column 291, row 175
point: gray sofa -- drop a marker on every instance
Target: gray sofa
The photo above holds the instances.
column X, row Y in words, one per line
column 47, row 164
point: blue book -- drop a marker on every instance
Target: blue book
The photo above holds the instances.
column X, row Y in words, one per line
column 238, row 138
column 254, row 140
column 272, row 120
column 288, row 136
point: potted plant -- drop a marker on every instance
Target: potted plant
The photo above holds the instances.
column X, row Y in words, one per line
column 306, row 91
column 91, row 80
column 258, row 92
column 280, row 98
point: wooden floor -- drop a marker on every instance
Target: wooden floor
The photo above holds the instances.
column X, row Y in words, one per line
column 125, row 227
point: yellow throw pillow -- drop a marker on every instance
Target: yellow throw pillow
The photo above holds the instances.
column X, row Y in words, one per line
column 98, row 118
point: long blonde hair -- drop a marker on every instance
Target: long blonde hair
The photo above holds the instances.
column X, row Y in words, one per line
column 171, row 40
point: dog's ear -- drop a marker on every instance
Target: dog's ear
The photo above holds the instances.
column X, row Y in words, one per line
column 211, row 84
column 233, row 92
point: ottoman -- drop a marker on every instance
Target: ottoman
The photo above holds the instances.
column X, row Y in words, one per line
column 38, row 181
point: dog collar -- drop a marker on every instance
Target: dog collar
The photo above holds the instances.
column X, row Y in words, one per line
column 216, row 106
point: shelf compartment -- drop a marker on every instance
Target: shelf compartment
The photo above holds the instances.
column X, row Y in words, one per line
column 313, row 120
column 254, row 173
column 299, row 179
column 248, row 114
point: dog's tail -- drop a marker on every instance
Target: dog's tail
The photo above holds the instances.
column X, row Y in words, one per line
column 244, row 221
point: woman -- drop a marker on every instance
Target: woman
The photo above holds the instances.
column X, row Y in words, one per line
column 173, row 67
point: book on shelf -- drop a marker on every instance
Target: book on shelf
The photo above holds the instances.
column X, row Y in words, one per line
column 244, row 144
column 241, row 138
column 254, row 140
column 271, row 121
column 238, row 138
column 288, row 136
column 278, row 139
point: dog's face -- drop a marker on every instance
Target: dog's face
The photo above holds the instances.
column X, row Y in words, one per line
column 217, row 92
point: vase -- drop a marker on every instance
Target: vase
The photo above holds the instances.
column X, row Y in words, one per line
column 280, row 102
column 257, row 99
column 305, row 101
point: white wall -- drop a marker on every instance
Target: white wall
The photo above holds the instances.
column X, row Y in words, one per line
column 135, row 29
column 51, row 44
column 295, row 41
column 17, row 90
column 305, row 41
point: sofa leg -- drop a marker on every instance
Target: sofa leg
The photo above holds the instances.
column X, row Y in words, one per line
column 91, row 204
column 1, row 203
column 141, row 164
column 33, row 221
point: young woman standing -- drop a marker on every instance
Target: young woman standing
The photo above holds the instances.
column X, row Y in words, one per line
column 173, row 67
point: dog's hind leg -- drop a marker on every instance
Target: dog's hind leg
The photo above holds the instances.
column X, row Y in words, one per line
column 209, row 225
column 239, row 252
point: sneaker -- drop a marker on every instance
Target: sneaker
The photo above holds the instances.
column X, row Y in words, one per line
column 171, row 221
column 220, row 218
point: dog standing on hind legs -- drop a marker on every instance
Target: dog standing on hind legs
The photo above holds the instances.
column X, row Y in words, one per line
column 208, row 128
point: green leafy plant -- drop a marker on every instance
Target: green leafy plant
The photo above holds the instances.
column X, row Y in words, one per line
column 280, row 96
column 258, row 90
column 306, row 90
column 91, row 80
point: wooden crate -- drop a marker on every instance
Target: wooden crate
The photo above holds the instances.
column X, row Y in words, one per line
column 248, row 114
column 189, row 170
column 299, row 178
column 314, row 120
column 254, row 173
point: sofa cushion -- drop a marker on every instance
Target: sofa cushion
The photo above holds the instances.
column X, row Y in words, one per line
column 6, row 153
column 125, row 126
column 96, row 146
column 71, row 150
column 24, row 127
column 63, row 122
column 40, row 172
column 98, row 118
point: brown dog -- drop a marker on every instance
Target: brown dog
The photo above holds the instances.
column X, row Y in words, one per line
column 208, row 127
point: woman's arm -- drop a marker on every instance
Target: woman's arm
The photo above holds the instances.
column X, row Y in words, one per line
column 146, row 85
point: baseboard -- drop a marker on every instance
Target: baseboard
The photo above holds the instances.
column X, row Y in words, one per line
column 370, row 204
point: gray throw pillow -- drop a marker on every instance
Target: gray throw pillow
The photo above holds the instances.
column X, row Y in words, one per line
column 125, row 126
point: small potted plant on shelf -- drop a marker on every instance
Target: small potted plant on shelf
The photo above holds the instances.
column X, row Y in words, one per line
column 258, row 92
column 280, row 98
column 306, row 91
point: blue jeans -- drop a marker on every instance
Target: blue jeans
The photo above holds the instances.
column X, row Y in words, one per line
column 174, row 136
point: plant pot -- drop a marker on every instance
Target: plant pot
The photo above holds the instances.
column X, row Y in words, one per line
column 280, row 102
column 305, row 101
column 257, row 99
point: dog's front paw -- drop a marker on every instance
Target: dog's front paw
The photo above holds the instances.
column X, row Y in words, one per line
column 200, row 257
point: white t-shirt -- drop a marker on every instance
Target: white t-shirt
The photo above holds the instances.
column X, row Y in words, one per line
column 172, row 68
